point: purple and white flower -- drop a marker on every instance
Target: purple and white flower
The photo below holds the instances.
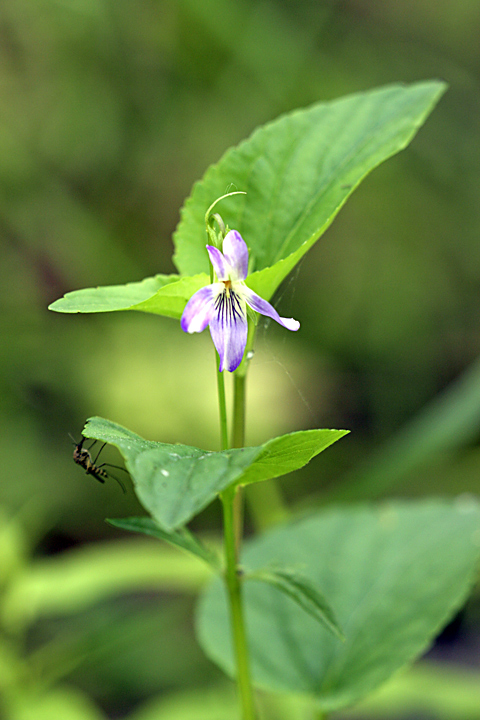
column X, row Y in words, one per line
column 222, row 305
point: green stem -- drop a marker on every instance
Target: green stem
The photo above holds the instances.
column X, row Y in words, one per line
column 238, row 441
column 236, row 606
column 265, row 500
column 222, row 407
column 238, row 435
column 232, row 529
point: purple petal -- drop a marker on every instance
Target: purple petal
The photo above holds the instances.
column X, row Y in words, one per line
column 218, row 261
column 262, row 306
column 236, row 254
column 229, row 330
column 200, row 308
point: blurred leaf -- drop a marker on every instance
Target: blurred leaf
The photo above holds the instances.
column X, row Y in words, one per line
column 219, row 703
column 303, row 592
column 175, row 482
column 394, row 573
column 13, row 548
column 439, row 691
column 448, row 422
column 298, row 171
column 201, row 704
column 64, row 703
column 76, row 579
column 116, row 644
column 181, row 538
column 161, row 294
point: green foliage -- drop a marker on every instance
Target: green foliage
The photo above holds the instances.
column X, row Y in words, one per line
column 181, row 538
column 436, row 690
column 284, row 454
column 65, row 703
column 297, row 172
column 302, row 591
column 175, row 482
column 162, row 295
column 446, row 423
column 201, row 704
column 394, row 574
column 72, row 581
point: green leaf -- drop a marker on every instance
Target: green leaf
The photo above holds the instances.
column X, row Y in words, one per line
column 298, row 171
column 175, row 482
column 451, row 420
column 289, row 452
column 302, row 591
column 182, row 538
column 162, row 295
column 395, row 574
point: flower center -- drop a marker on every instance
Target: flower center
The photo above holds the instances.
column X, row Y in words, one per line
column 228, row 305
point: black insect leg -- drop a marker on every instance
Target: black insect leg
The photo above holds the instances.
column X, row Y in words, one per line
column 98, row 453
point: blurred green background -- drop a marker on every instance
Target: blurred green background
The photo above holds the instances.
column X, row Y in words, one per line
column 109, row 111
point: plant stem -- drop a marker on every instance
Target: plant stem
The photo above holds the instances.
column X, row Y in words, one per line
column 238, row 441
column 236, row 606
column 238, row 435
column 265, row 500
column 222, row 408
column 233, row 530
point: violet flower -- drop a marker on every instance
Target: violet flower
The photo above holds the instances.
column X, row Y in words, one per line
column 222, row 305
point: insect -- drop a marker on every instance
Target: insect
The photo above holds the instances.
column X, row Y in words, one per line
column 83, row 457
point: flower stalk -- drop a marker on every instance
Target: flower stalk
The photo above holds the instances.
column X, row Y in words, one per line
column 232, row 531
column 222, row 306
column 234, row 587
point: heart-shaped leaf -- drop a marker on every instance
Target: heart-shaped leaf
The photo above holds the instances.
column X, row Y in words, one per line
column 175, row 482
column 395, row 574
column 297, row 172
